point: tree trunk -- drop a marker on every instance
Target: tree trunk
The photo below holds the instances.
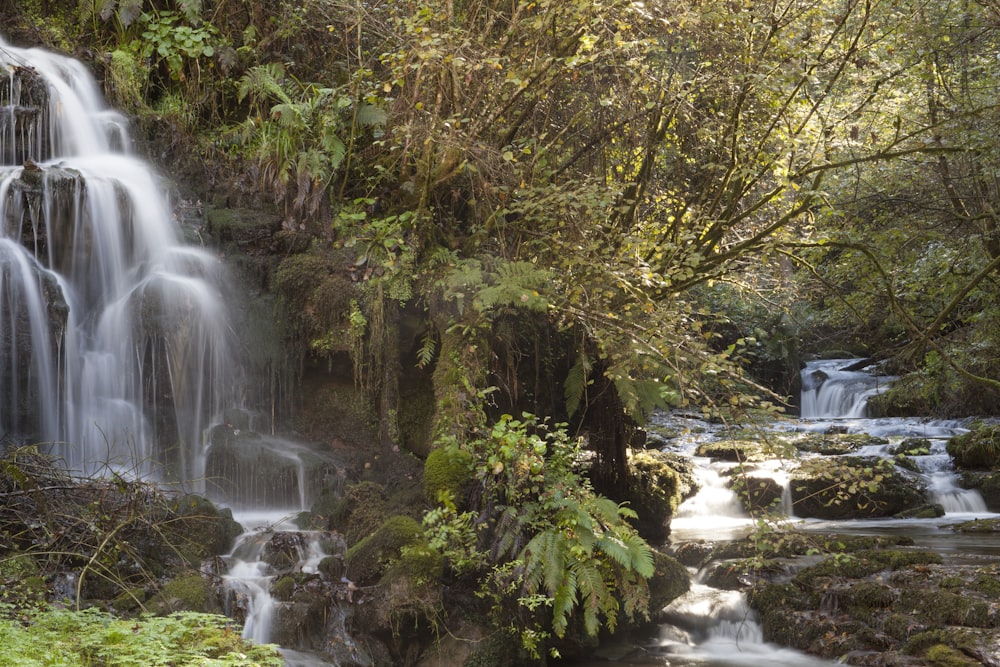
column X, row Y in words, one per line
column 611, row 433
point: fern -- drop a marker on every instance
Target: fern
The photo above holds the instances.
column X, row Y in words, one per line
column 263, row 82
column 428, row 348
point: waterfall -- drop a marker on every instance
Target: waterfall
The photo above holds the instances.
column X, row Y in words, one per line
column 833, row 389
column 113, row 338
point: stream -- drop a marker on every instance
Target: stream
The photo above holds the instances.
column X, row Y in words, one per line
column 709, row 626
column 134, row 326
column 714, row 627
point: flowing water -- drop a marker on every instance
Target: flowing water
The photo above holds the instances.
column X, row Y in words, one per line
column 113, row 337
column 114, row 349
column 713, row 627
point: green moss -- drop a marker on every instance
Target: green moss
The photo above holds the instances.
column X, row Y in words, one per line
column 283, row 588
column 189, row 592
column 979, row 448
column 360, row 512
column 957, row 638
column 864, row 563
column 670, row 580
column 940, row 655
column 733, row 450
column 447, row 470
column 656, row 488
column 201, row 531
column 368, row 559
column 17, row 566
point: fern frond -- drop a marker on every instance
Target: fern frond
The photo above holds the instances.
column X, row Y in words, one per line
column 641, row 555
column 563, row 603
column 534, row 559
column 612, row 546
column 555, row 561
column 428, row 348
column 507, row 534
column 594, row 595
column 263, row 82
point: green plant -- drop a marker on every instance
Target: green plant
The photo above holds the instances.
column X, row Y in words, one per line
column 168, row 39
column 92, row 637
column 548, row 549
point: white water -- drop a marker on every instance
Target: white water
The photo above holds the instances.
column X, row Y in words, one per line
column 829, row 392
column 711, row 627
column 114, row 337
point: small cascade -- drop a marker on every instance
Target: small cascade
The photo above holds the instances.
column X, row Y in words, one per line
column 288, row 586
column 708, row 626
column 113, row 340
column 834, row 389
column 714, row 509
column 942, row 482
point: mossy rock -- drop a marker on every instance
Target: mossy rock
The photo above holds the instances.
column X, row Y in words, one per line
column 757, row 494
column 979, row 449
column 670, row 580
column 852, row 487
column 368, row 559
column 447, row 470
column 864, row 563
column 659, row 484
column 737, row 451
column 283, row 588
column 912, row 447
column 835, row 444
column 979, row 526
column 940, row 655
column 359, row 512
column 188, row 592
column 204, row 530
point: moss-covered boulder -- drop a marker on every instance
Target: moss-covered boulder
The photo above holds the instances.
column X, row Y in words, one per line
column 979, row 449
column 370, row 558
column 757, row 493
column 191, row 591
column 737, row 451
column 833, row 444
column 660, row 482
column 906, row 607
column 850, row 487
column 447, row 470
column 670, row 580
column 200, row 529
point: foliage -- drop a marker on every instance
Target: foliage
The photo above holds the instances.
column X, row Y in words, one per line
column 548, row 551
column 168, row 38
column 118, row 535
column 91, row 637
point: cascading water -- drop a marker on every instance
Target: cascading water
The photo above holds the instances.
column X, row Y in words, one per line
column 113, row 340
column 837, row 389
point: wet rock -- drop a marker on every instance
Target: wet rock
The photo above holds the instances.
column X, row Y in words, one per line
column 737, row 451
column 669, row 581
column 660, row 482
column 979, row 449
column 891, row 608
column 852, row 487
column 757, row 494
column 202, row 529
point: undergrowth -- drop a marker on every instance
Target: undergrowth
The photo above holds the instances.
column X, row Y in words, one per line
column 93, row 638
